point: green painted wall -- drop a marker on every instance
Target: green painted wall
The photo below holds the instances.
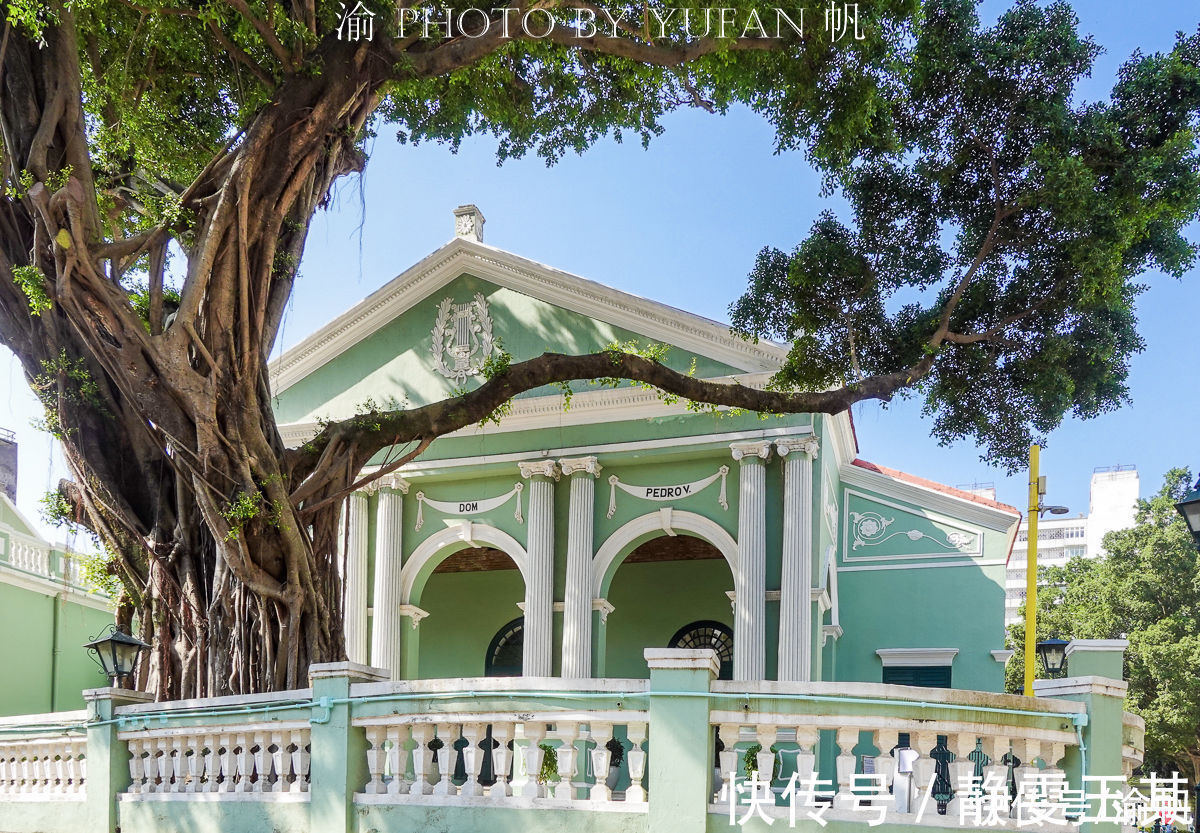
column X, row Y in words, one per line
column 395, row 361
column 653, row 601
column 50, row 666
column 465, row 612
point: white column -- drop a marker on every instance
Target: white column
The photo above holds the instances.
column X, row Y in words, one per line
column 386, row 619
column 539, row 583
column 577, row 598
column 750, row 579
column 352, row 552
column 795, row 602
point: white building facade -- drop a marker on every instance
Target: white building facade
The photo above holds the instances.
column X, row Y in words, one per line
column 1112, row 505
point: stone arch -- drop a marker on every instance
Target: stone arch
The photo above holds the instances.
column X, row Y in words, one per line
column 441, row 545
column 623, row 541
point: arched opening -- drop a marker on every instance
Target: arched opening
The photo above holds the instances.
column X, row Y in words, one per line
column 506, row 653
column 661, row 588
column 708, row 634
column 470, row 597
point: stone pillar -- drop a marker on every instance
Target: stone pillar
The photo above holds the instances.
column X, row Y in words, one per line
column 107, row 757
column 352, row 553
column 750, row 578
column 339, row 750
column 577, row 598
column 680, row 763
column 1095, row 666
column 386, row 622
column 539, row 581
column 795, row 600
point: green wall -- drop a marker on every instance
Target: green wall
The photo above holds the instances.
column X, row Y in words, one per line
column 49, row 666
column 653, row 601
column 465, row 612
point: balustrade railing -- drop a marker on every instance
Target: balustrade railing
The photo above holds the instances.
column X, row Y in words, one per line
column 29, row 554
column 888, row 753
column 242, row 758
column 43, row 766
column 539, row 748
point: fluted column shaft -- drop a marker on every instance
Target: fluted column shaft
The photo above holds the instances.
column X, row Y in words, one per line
column 577, row 598
column 539, row 581
column 352, row 545
column 750, row 580
column 387, row 621
column 795, row 602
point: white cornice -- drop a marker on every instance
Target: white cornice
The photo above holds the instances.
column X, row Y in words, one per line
column 926, row 498
column 673, row 326
column 587, row 408
column 51, row 587
column 924, row 657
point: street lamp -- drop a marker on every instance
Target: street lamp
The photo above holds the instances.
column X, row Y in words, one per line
column 1037, row 508
column 1189, row 507
column 1054, row 655
column 116, row 652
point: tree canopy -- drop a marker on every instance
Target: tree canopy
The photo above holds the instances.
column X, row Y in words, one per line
column 999, row 226
column 1145, row 589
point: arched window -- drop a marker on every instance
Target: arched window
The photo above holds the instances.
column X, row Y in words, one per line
column 708, row 634
column 505, row 653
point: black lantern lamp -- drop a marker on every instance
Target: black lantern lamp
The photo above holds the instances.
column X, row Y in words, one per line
column 1189, row 507
column 1053, row 652
column 116, row 652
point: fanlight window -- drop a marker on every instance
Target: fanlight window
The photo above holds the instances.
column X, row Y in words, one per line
column 708, row 634
column 504, row 656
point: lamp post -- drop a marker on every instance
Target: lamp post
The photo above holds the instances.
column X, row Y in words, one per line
column 1037, row 508
column 1189, row 507
column 1053, row 652
column 116, row 652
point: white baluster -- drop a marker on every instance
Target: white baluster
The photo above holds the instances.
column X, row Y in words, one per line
column 924, row 768
column 846, row 764
column 1053, row 753
column 278, row 751
column 995, row 747
column 422, row 734
column 567, row 760
column 636, row 757
column 1027, row 751
column 447, row 733
column 295, row 742
column 729, row 734
column 376, row 758
column 71, row 767
column 302, row 772
column 4, row 770
column 261, row 765
column 81, row 762
column 178, row 765
column 58, row 759
column 601, row 755
column 243, row 761
column 764, row 758
column 502, row 733
column 471, row 733
column 962, row 770
column 397, row 759
column 531, row 757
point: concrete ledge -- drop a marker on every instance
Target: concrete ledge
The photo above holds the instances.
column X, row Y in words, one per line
column 483, row 685
column 923, row 657
column 683, row 658
column 356, row 671
column 1075, row 686
column 217, row 798
column 228, row 701
column 119, row 696
column 1076, row 645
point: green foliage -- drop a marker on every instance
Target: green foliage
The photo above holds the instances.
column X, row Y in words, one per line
column 32, row 282
column 139, row 299
column 549, row 771
column 1053, row 207
column 1146, row 589
column 64, row 379
column 243, row 508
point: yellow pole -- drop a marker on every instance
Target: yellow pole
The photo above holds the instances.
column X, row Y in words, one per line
column 1031, row 527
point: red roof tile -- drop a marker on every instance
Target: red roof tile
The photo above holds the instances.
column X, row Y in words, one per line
column 937, row 487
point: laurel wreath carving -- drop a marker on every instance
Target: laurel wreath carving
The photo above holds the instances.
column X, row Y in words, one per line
column 443, row 338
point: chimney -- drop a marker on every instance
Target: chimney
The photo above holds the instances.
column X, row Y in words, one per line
column 468, row 223
column 8, row 463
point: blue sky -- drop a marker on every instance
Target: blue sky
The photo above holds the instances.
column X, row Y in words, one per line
column 681, row 223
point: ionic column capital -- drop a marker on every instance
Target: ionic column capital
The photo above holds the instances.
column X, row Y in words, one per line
column 576, row 464
column 747, row 452
column 543, row 468
column 809, row 445
column 388, row 481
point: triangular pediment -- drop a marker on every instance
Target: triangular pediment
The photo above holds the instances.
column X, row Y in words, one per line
column 383, row 348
